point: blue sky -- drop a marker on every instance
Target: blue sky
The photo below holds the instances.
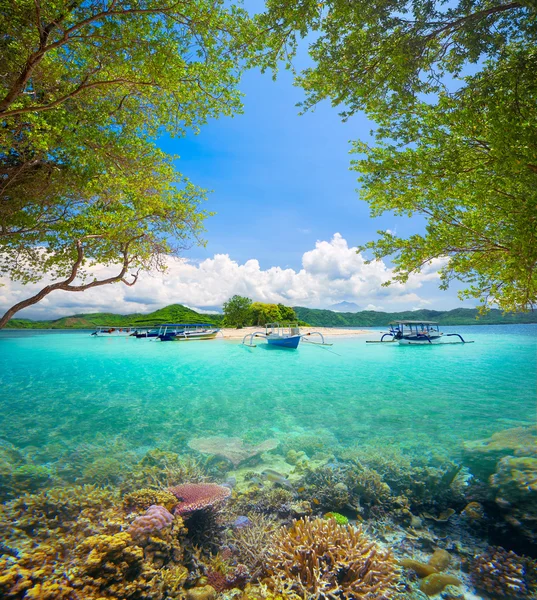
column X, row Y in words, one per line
column 281, row 180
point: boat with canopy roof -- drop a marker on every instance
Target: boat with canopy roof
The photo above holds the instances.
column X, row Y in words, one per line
column 181, row 332
column 418, row 333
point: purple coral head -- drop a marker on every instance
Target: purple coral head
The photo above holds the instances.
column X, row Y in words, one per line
column 155, row 518
column 241, row 522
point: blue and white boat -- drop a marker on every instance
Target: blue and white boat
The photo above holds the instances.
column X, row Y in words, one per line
column 281, row 336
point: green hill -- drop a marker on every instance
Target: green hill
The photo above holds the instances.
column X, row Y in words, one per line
column 369, row 318
column 175, row 313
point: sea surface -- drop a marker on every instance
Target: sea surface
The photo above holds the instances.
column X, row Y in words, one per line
column 61, row 389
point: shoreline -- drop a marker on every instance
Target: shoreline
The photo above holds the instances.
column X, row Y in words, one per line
column 235, row 334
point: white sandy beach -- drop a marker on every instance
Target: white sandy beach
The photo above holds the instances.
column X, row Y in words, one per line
column 233, row 334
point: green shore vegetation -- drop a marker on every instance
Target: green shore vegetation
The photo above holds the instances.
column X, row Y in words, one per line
column 240, row 311
column 176, row 313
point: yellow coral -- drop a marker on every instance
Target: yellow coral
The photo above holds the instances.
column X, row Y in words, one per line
column 141, row 500
column 71, row 546
column 435, row 583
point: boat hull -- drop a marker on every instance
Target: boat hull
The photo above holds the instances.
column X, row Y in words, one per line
column 113, row 333
column 210, row 335
column 422, row 341
column 284, row 342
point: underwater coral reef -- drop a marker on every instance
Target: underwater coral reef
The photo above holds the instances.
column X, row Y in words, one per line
column 250, row 520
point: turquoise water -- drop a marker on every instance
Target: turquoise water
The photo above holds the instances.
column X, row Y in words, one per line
column 64, row 389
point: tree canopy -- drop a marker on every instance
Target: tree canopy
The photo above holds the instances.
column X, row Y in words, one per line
column 457, row 148
column 237, row 311
column 371, row 54
column 85, row 88
column 240, row 311
column 470, row 164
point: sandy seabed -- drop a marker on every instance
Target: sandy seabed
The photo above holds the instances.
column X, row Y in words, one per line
column 236, row 334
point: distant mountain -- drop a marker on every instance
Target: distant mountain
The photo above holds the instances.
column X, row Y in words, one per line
column 175, row 313
column 344, row 306
column 370, row 318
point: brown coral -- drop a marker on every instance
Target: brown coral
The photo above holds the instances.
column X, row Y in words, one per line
column 436, row 582
column 198, row 496
column 232, row 449
column 515, row 488
column 252, row 543
column 483, row 455
column 320, row 559
column 502, row 574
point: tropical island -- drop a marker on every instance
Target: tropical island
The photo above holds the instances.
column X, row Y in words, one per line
column 177, row 313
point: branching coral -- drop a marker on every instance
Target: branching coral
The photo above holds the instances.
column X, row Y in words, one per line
column 368, row 487
column 264, row 501
column 423, row 483
column 320, row 559
column 503, row 574
column 327, row 487
column 251, row 543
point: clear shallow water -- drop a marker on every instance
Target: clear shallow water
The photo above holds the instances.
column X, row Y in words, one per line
column 65, row 388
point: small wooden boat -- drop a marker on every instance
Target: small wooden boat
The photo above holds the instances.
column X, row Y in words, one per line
column 145, row 332
column 282, row 336
column 109, row 331
column 182, row 332
column 417, row 333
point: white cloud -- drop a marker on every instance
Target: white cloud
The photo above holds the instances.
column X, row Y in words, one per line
column 331, row 272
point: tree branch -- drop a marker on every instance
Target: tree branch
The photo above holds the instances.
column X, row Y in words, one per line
column 453, row 25
column 66, row 284
column 81, row 88
column 36, row 57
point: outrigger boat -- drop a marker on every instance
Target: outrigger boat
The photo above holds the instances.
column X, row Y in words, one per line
column 147, row 332
column 181, row 332
column 282, row 336
column 417, row 332
column 109, row 331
